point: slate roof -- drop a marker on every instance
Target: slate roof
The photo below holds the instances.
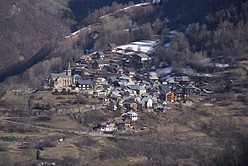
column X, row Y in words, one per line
column 143, row 56
column 55, row 76
column 85, row 82
column 131, row 69
column 165, row 87
column 112, row 45
column 101, row 53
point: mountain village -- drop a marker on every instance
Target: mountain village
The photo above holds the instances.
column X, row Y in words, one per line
column 124, row 82
column 123, row 78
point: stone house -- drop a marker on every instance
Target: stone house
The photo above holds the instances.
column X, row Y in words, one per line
column 85, row 84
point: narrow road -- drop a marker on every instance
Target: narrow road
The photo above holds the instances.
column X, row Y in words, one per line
column 75, row 35
column 100, row 134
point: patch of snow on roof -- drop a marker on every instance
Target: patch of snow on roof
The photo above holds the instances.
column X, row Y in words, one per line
column 221, row 65
column 148, row 43
column 145, row 46
column 205, row 75
column 136, row 48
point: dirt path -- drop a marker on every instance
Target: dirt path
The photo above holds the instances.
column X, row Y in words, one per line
column 100, row 134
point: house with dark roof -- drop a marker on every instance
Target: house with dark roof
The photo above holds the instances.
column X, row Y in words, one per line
column 182, row 80
column 181, row 94
column 130, row 72
column 105, row 127
column 140, row 60
column 165, row 88
column 84, row 84
column 99, row 64
column 167, row 94
column 98, row 55
column 139, row 89
column 190, row 88
column 112, row 46
column 146, row 102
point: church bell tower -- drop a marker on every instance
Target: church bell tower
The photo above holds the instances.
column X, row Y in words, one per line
column 69, row 70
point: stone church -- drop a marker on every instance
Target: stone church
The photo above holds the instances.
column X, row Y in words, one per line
column 60, row 80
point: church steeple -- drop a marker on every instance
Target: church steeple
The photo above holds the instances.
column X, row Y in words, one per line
column 69, row 70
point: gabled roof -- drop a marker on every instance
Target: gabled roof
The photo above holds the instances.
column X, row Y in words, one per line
column 130, row 100
column 145, row 99
column 112, row 45
column 85, row 82
column 191, row 86
column 132, row 113
column 101, row 53
column 136, row 87
column 76, row 76
column 130, row 69
column 143, row 56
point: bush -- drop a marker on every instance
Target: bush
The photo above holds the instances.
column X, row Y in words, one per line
column 235, row 154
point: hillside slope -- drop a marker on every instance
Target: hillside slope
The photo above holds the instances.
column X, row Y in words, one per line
column 207, row 29
column 27, row 25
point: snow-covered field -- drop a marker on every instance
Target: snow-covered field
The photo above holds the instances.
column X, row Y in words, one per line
column 144, row 46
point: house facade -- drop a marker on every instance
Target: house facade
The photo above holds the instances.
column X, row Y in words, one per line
column 85, row 84
column 170, row 96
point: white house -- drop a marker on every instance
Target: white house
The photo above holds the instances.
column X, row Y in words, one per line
column 105, row 127
column 131, row 115
column 147, row 102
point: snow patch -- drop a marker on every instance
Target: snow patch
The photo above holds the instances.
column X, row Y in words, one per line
column 205, row 75
column 221, row 65
column 145, row 46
